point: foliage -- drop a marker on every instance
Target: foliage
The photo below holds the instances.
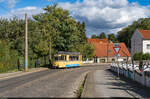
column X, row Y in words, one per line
column 126, row 33
column 102, row 35
column 87, row 50
column 141, row 56
column 60, row 30
column 94, row 36
column 49, row 32
column 112, row 38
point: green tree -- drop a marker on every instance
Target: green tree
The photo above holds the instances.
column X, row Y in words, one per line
column 141, row 56
column 138, row 56
column 59, row 28
column 126, row 33
column 52, row 31
column 112, row 38
column 102, row 35
column 94, row 36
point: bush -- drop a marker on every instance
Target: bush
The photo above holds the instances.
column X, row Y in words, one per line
column 141, row 56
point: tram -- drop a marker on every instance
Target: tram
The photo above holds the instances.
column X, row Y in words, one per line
column 67, row 59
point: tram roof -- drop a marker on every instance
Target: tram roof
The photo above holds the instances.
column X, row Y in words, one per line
column 70, row 53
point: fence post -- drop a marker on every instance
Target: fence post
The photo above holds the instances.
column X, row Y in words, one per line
column 133, row 69
column 143, row 80
column 143, row 75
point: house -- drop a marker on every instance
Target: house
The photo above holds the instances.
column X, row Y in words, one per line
column 140, row 42
column 104, row 51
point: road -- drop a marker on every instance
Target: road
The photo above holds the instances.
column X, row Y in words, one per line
column 106, row 84
column 100, row 82
column 48, row 83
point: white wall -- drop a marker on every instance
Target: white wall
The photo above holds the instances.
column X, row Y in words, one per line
column 145, row 42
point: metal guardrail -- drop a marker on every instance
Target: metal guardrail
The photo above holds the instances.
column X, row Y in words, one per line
column 132, row 71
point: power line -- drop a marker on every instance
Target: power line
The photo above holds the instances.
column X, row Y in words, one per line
column 5, row 9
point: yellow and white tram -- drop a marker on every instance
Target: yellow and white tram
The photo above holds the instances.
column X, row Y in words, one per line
column 67, row 59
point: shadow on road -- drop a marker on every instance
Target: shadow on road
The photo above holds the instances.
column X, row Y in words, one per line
column 131, row 87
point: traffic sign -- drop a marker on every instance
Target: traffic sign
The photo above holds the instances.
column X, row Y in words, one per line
column 116, row 44
column 117, row 55
column 117, row 49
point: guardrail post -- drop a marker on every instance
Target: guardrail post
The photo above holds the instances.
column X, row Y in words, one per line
column 143, row 75
column 133, row 69
column 143, row 78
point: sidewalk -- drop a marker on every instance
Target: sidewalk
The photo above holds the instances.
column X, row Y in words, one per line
column 88, row 64
column 20, row 73
column 103, row 84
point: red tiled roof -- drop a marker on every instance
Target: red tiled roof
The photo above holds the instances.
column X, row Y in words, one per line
column 98, row 40
column 101, row 49
column 145, row 33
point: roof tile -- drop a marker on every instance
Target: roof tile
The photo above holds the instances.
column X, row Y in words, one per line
column 101, row 46
column 145, row 33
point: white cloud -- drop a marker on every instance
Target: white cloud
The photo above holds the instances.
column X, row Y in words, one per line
column 106, row 15
column 10, row 3
column 30, row 10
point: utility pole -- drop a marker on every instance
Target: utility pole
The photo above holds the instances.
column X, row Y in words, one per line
column 107, row 50
column 50, row 48
column 50, row 52
column 26, row 42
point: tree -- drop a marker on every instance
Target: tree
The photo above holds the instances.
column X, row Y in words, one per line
column 49, row 32
column 112, row 38
column 141, row 56
column 126, row 33
column 61, row 29
column 102, row 35
column 138, row 56
column 94, row 36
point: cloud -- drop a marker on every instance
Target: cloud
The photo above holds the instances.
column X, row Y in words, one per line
column 20, row 12
column 106, row 15
column 10, row 3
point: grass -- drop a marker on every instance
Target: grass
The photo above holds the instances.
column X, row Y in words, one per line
column 79, row 92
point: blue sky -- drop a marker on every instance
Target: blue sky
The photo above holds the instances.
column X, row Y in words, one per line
column 107, row 16
column 142, row 2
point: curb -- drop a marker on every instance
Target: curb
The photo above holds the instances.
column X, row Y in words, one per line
column 20, row 73
column 87, row 64
column 85, row 87
column 79, row 83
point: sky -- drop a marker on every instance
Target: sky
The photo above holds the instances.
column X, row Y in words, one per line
column 108, row 16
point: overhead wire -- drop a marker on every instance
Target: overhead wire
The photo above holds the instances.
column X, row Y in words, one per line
column 5, row 9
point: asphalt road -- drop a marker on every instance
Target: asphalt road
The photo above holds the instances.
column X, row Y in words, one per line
column 48, row 83
column 57, row 83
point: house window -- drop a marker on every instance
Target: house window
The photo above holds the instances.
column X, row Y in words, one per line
column 124, row 59
column 148, row 46
column 113, row 60
column 102, row 60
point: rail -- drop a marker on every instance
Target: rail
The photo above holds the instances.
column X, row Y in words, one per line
column 132, row 71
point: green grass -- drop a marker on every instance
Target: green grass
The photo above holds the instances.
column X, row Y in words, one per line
column 79, row 92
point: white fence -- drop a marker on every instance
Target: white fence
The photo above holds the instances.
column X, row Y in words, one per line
column 132, row 71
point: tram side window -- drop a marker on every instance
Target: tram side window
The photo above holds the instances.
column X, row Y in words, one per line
column 73, row 58
column 56, row 58
column 60, row 58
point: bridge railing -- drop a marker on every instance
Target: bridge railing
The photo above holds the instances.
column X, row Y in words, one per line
column 133, row 72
